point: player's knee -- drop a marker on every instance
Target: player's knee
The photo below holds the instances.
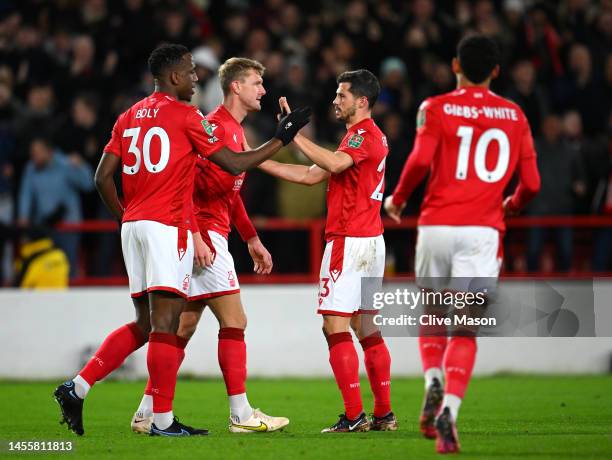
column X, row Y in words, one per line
column 187, row 328
column 238, row 321
column 144, row 325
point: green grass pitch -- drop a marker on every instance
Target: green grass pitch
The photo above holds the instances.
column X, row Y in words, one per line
column 502, row 417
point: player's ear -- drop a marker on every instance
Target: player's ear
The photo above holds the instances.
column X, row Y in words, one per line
column 456, row 66
column 495, row 72
column 174, row 77
column 235, row 85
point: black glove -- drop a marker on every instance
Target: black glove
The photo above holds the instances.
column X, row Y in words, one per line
column 290, row 124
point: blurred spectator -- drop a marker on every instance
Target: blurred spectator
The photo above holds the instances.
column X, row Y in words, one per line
column 83, row 134
column 528, row 94
column 296, row 201
column 581, row 91
column 9, row 109
column 399, row 147
column 208, row 93
column 37, row 118
column 602, row 204
column 51, row 182
column 557, row 56
column 543, row 43
column 562, row 176
column 440, row 79
column 41, row 264
column 394, row 90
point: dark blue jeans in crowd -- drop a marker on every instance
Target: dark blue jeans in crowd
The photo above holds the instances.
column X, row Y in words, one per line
column 536, row 240
column 69, row 242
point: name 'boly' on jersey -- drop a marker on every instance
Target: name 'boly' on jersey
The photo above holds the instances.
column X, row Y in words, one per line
column 157, row 140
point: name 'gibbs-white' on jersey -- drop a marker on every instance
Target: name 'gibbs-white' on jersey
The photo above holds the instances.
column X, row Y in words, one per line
column 157, row 140
column 478, row 138
column 354, row 196
column 216, row 190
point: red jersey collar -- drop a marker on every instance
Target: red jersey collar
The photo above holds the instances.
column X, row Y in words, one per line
column 361, row 124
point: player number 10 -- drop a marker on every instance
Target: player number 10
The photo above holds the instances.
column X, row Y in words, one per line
column 164, row 155
column 480, row 155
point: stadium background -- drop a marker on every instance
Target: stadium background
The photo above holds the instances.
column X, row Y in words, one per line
column 68, row 68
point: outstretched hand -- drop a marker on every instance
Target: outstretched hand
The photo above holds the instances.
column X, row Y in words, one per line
column 290, row 123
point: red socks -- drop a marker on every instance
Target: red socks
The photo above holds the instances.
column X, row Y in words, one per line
column 232, row 359
column 378, row 366
column 116, row 347
column 345, row 364
column 458, row 364
column 182, row 343
column 432, row 350
column 165, row 354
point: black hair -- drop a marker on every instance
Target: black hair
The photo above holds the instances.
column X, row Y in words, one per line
column 478, row 56
column 164, row 57
column 363, row 83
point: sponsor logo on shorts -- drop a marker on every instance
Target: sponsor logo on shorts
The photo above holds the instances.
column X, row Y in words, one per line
column 231, row 278
column 186, row 282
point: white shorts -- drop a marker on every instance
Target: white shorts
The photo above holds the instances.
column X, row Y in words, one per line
column 218, row 280
column 345, row 262
column 445, row 252
column 157, row 257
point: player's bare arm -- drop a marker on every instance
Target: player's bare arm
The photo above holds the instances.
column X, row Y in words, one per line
column 299, row 174
column 288, row 126
column 331, row 162
column 105, row 184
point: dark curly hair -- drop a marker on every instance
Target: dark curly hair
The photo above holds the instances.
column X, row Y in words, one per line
column 164, row 57
column 478, row 56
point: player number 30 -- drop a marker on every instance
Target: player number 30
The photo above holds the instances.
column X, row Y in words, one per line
column 480, row 154
column 145, row 155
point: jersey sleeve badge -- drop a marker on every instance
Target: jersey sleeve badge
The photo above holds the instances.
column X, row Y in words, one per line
column 421, row 118
column 208, row 128
column 355, row 141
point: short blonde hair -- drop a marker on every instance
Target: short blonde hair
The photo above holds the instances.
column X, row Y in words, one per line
column 236, row 68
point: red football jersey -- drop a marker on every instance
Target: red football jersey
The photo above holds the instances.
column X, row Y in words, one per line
column 216, row 190
column 157, row 139
column 354, row 196
column 471, row 141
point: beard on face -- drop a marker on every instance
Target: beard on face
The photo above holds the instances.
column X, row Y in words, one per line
column 345, row 116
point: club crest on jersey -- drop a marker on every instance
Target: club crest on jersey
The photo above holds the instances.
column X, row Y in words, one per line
column 212, row 140
column 421, row 118
column 208, row 127
column 355, row 141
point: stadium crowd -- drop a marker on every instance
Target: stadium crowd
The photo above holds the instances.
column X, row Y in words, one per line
column 68, row 68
